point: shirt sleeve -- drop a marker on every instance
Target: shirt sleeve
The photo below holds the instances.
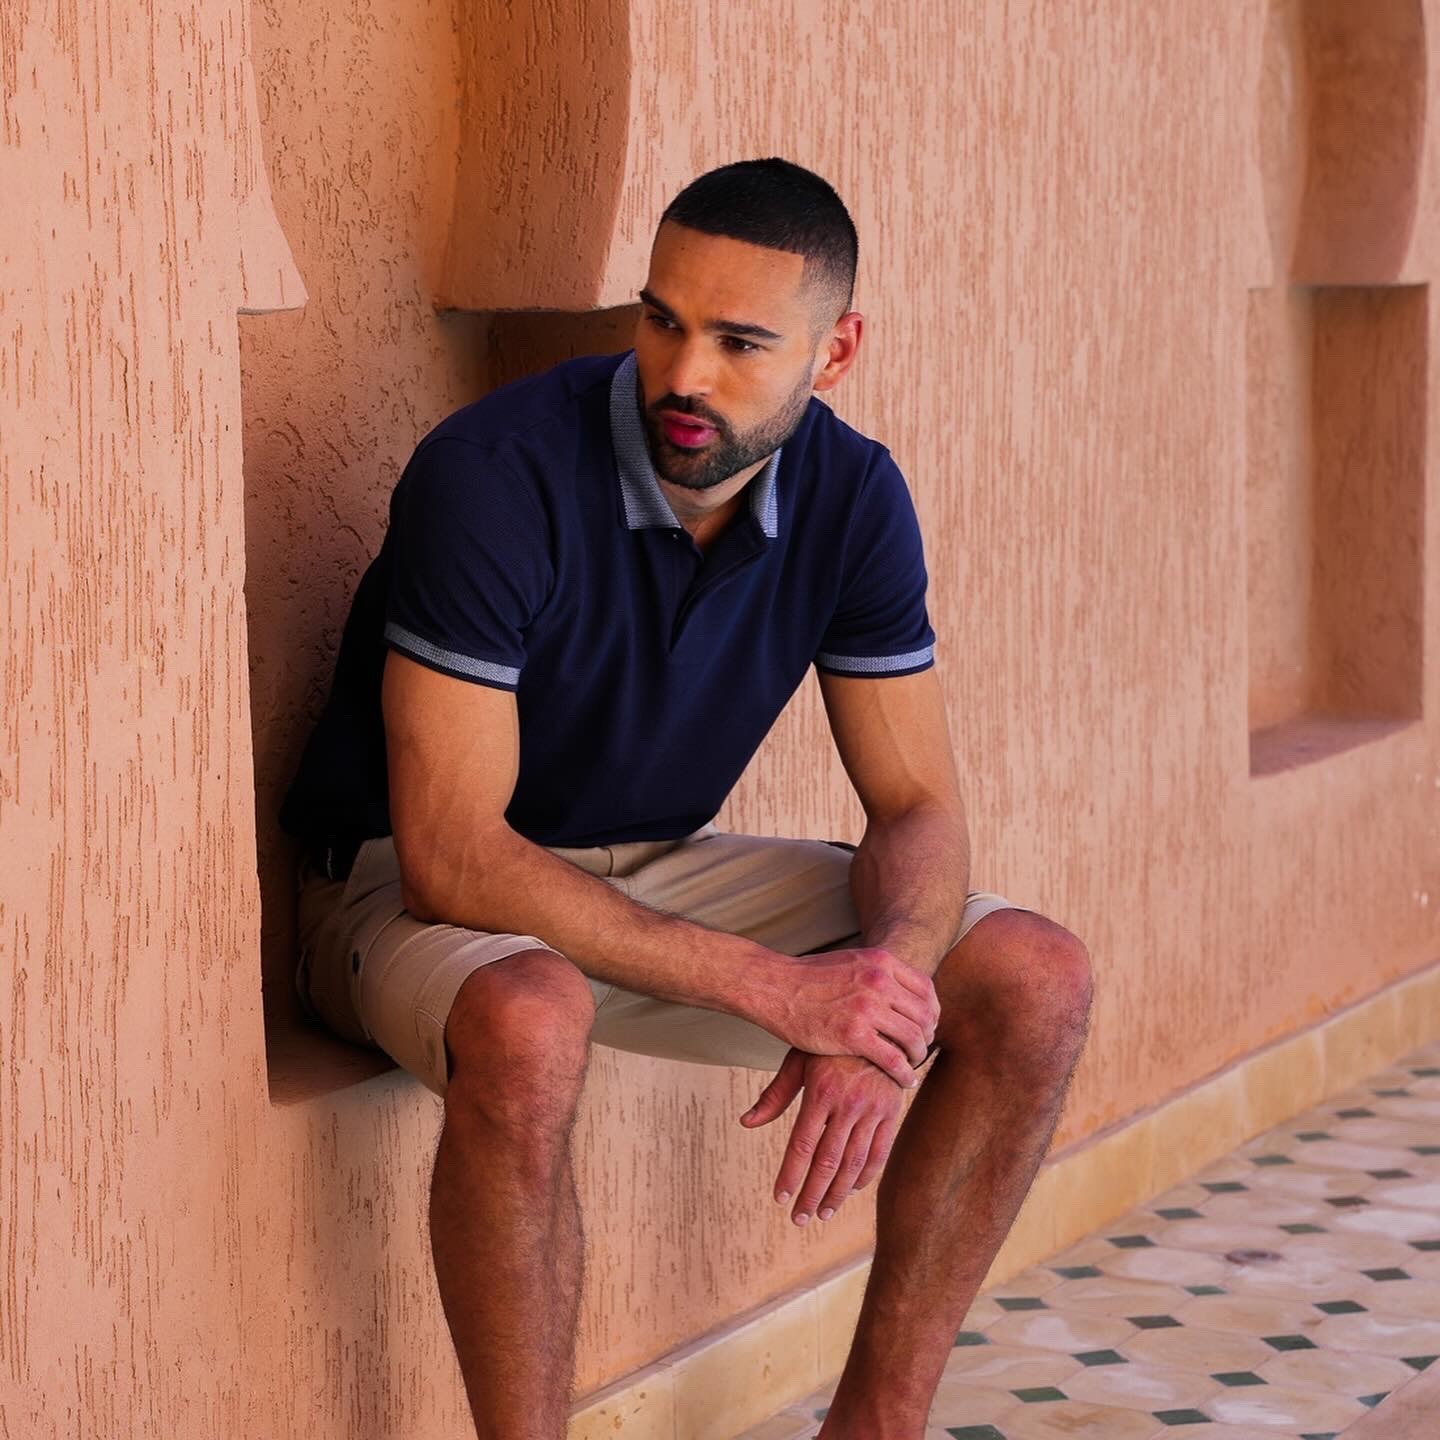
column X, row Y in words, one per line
column 880, row 625
column 470, row 564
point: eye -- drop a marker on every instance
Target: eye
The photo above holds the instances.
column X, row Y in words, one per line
column 660, row 322
column 739, row 346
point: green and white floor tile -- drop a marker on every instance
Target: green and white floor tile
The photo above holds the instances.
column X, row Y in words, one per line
column 1287, row 1290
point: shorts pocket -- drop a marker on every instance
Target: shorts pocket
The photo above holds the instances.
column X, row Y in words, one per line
column 372, row 901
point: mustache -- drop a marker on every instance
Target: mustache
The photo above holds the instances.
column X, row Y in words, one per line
column 688, row 407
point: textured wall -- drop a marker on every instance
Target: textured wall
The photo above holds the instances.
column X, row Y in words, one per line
column 1084, row 235
column 132, row 1058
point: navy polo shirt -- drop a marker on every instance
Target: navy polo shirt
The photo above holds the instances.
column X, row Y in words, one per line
column 530, row 548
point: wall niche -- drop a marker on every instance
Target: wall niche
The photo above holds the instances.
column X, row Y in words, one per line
column 1337, row 353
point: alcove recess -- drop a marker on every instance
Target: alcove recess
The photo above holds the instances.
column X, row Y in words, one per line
column 1337, row 358
column 306, row 1061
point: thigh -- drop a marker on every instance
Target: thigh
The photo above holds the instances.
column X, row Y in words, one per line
column 792, row 896
column 375, row 975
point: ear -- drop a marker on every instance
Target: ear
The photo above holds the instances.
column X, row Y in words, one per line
column 837, row 351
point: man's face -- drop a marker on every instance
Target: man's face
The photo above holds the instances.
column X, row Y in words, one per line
column 726, row 350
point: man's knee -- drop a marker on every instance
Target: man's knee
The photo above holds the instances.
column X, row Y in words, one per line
column 517, row 1039
column 1059, row 969
column 1027, row 978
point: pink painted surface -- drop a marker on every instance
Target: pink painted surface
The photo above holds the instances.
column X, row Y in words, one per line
column 1075, row 248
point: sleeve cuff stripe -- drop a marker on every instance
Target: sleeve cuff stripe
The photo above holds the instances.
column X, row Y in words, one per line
column 420, row 649
column 876, row 664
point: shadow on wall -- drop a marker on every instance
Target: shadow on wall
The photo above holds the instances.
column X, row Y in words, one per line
column 304, row 1059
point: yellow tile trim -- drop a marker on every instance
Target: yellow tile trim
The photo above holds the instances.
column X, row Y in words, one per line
column 734, row 1377
column 639, row 1406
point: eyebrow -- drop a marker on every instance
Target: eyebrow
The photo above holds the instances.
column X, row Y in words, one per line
column 715, row 327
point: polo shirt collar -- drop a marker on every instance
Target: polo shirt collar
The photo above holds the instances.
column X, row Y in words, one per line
column 644, row 501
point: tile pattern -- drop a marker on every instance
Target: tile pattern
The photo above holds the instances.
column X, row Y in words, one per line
column 1286, row 1290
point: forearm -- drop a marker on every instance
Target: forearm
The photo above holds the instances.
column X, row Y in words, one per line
column 502, row 883
column 909, row 879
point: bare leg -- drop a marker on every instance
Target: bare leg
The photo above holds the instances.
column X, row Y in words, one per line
column 1014, row 996
column 505, row 1228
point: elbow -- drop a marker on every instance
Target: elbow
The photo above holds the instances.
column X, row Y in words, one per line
column 419, row 885
column 413, row 901
column 447, row 885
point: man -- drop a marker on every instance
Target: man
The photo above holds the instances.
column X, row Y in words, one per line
column 598, row 589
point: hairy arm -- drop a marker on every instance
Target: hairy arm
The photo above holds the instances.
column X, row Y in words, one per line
column 453, row 753
column 909, row 878
column 911, row 872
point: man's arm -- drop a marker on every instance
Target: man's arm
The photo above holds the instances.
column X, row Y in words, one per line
column 911, row 872
column 453, row 754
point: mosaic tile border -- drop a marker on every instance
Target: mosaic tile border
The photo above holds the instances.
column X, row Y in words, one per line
column 801, row 1339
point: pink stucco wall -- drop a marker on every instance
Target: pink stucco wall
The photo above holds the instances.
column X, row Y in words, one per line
column 1176, row 493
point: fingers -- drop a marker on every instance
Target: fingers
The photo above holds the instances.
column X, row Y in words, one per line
column 825, row 1165
column 910, row 1037
column 918, row 983
column 919, row 1016
column 894, row 1062
column 843, row 1133
column 879, row 1153
column 925, row 1009
column 803, row 1153
column 897, row 1046
column 775, row 1098
column 852, row 1165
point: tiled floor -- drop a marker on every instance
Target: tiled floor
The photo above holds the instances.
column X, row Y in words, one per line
column 1287, row 1290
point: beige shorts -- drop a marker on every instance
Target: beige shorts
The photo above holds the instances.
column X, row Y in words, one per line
column 376, row 976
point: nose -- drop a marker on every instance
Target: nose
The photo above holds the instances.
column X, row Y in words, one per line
column 688, row 374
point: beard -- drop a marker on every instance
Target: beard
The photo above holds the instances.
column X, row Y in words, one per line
column 729, row 452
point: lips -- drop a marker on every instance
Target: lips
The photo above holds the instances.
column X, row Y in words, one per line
column 685, row 432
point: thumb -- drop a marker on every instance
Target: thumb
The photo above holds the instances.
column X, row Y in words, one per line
column 775, row 1098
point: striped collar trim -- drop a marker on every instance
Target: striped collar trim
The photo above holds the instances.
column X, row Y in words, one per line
column 644, row 501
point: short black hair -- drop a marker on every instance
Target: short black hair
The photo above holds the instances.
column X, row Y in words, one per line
column 782, row 206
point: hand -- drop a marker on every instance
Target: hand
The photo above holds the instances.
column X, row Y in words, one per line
column 859, row 1002
column 842, row 1138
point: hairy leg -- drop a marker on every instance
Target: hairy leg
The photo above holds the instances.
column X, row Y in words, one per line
column 1014, row 1000
column 505, row 1227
